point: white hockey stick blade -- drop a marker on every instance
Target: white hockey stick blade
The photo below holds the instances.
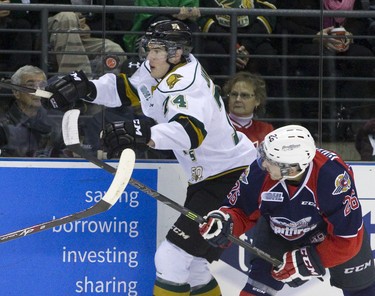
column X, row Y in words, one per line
column 71, row 139
column 117, row 187
column 32, row 91
column 123, row 174
column 69, row 127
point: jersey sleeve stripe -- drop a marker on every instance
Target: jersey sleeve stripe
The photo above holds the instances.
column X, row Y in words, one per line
column 127, row 92
column 193, row 127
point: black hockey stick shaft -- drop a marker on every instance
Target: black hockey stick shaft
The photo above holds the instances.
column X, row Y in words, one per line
column 71, row 139
column 29, row 90
column 174, row 205
column 122, row 176
column 96, row 209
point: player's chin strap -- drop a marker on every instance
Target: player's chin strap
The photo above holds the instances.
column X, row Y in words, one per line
column 295, row 178
column 71, row 140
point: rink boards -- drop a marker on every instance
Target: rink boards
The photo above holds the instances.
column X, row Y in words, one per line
column 111, row 253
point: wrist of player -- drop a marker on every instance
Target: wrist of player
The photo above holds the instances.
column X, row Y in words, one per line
column 151, row 143
column 299, row 266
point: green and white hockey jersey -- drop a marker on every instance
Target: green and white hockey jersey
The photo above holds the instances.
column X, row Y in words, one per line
column 190, row 115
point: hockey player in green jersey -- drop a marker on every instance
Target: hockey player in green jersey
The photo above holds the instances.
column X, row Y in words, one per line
column 175, row 91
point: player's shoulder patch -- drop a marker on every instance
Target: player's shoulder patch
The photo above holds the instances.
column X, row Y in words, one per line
column 243, row 177
column 342, row 183
column 181, row 79
column 173, row 79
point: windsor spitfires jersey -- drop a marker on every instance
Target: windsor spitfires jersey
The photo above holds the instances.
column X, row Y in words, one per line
column 190, row 115
column 324, row 209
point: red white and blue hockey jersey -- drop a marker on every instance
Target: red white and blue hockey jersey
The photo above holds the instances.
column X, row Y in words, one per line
column 325, row 202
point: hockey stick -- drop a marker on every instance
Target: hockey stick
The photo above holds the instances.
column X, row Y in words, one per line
column 121, row 179
column 71, row 140
column 32, row 91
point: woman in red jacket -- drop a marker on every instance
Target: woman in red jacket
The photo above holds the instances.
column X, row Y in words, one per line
column 246, row 96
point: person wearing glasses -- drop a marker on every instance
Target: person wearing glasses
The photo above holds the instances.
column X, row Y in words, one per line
column 246, row 99
column 25, row 129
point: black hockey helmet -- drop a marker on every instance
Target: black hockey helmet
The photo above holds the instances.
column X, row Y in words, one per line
column 172, row 34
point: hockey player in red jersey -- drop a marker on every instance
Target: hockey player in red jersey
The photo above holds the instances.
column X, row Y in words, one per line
column 304, row 207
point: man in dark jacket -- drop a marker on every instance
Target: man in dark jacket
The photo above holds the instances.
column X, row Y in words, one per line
column 25, row 129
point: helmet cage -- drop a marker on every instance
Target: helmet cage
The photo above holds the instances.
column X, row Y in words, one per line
column 285, row 168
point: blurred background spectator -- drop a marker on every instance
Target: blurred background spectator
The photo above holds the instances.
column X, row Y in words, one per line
column 246, row 96
column 347, row 60
column 247, row 48
column 25, row 128
column 18, row 37
column 365, row 141
column 75, row 48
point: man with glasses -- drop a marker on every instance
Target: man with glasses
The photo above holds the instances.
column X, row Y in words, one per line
column 246, row 97
column 25, row 129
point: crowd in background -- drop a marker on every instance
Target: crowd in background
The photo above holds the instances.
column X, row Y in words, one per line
column 298, row 59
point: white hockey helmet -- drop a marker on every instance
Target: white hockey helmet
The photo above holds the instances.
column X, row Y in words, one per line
column 286, row 147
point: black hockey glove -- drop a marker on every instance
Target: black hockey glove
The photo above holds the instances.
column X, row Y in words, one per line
column 67, row 90
column 299, row 266
column 216, row 229
column 120, row 135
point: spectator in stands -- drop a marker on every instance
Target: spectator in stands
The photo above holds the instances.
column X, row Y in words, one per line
column 340, row 58
column 21, row 39
column 25, row 129
column 246, row 94
column 95, row 56
column 248, row 47
column 370, row 5
column 188, row 14
column 365, row 141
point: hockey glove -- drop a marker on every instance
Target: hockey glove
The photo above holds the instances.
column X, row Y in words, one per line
column 67, row 90
column 120, row 135
column 216, row 229
column 299, row 266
